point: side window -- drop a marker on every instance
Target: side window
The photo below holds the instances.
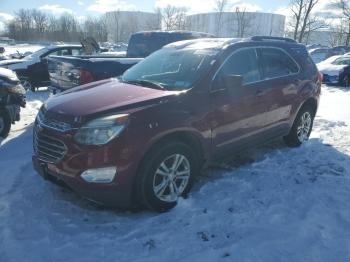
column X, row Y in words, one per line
column 77, row 51
column 244, row 63
column 276, row 63
column 60, row 52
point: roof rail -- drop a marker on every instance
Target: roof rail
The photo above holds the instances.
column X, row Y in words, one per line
column 272, row 38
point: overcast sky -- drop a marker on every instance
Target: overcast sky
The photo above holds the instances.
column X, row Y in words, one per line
column 83, row 8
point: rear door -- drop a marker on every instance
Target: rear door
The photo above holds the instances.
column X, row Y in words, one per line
column 279, row 86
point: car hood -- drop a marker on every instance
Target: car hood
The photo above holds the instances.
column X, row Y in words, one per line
column 330, row 69
column 102, row 96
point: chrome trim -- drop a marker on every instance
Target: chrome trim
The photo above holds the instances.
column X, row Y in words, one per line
column 48, row 149
column 41, row 121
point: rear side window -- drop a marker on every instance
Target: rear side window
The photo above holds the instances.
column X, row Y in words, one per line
column 276, row 63
column 77, row 51
column 60, row 52
column 143, row 44
column 244, row 63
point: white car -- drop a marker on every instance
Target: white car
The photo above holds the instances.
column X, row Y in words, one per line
column 336, row 70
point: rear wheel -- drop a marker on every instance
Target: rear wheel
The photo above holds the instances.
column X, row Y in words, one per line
column 346, row 81
column 5, row 123
column 301, row 128
column 167, row 174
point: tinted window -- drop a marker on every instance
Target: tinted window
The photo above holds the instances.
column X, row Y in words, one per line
column 60, row 52
column 143, row 44
column 276, row 63
column 342, row 61
column 244, row 63
column 77, row 51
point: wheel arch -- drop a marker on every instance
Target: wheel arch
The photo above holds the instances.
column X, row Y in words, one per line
column 312, row 102
column 187, row 137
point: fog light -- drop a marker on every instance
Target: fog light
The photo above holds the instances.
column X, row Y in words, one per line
column 99, row 175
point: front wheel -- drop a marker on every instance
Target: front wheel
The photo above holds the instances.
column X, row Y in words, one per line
column 167, row 174
column 301, row 128
column 5, row 123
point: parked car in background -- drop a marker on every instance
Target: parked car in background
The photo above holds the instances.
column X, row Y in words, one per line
column 336, row 70
column 6, row 40
column 320, row 54
column 12, row 97
column 142, row 139
column 32, row 69
column 68, row 72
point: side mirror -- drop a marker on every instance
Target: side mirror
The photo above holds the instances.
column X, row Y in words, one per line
column 231, row 81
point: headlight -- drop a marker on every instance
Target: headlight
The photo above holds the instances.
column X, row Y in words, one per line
column 101, row 130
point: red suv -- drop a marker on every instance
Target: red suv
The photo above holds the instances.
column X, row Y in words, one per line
column 142, row 138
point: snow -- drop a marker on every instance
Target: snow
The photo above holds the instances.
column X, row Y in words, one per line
column 21, row 48
column 268, row 204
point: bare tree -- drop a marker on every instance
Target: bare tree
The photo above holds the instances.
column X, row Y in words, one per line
column 173, row 17
column 243, row 22
column 220, row 8
column 314, row 23
column 40, row 22
column 116, row 21
column 301, row 10
column 344, row 5
column 96, row 28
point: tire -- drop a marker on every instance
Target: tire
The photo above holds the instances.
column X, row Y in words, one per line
column 5, row 123
column 346, row 81
column 27, row 85
column 301, row 128
column 152, row 175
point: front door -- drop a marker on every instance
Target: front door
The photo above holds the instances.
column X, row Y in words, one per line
column 238, row 113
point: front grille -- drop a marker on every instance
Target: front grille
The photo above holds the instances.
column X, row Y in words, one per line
column 48, row 148
column 52, row 123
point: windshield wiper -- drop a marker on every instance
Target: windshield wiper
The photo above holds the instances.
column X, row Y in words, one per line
column 146, row 83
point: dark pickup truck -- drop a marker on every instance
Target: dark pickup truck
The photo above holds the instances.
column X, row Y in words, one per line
column 67, row 72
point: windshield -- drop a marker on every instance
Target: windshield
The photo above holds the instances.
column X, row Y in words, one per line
column 342, row 61
column 171, row 68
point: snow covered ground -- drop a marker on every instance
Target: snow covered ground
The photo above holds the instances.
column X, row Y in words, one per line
column 270, row 204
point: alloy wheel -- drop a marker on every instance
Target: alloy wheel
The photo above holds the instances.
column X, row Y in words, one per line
column 304, row 127
column 171, row 178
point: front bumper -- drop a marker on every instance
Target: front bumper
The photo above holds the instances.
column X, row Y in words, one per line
column 67, row 171
column 106, row 194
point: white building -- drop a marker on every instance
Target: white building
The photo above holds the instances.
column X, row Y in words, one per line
column 237, row 24
column 121, row 24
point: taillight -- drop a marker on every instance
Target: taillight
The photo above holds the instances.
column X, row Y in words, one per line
column 85, row 77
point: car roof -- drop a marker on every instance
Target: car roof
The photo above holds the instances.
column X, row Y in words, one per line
column 220, row 43
column 204, row 43
column 173, row 32
column 50, row 47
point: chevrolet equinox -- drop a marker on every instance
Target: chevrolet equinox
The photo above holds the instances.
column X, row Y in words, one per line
column 142, row 138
